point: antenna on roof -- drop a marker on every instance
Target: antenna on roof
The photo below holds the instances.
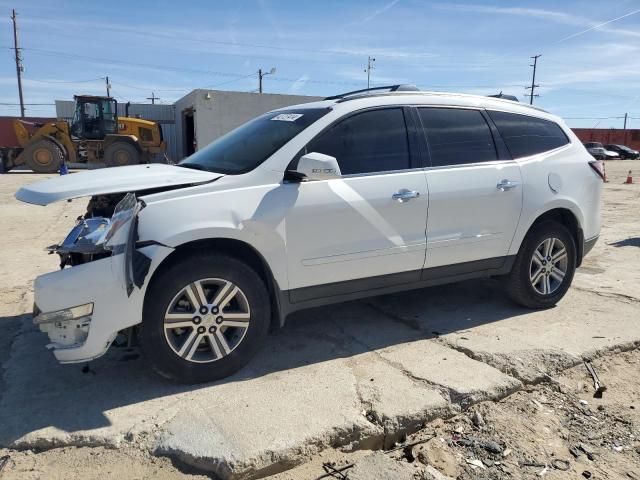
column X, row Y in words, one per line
column 504, row 96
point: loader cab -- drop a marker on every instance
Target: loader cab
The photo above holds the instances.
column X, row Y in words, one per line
column 94, row 117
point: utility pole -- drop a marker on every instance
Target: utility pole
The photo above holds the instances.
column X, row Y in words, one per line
column 262, row 74
column 108, row 86
column 533, row 80
column 625, row 122
column 19, row 67
column 370, row 67
column 153, row 98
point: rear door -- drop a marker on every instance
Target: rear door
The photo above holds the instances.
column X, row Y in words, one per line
column 367, row 229
column 475, row 191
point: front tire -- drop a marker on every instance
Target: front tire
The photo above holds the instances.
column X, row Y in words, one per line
column 43, row 156
column 204, row 317
column 544, row 267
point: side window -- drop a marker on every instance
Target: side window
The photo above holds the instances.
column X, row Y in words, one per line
column 457, row 136
column 372, row 141
column 526, row 135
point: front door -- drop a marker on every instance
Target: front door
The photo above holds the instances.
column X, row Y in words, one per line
column 367, row 229
column 475, row 192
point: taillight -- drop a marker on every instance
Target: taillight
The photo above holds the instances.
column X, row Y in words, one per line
column 598, row 167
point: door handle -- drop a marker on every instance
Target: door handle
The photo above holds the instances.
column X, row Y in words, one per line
column 506, row 185
column 404, row 195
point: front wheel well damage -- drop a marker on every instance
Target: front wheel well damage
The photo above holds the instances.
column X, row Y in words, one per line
column 567, row 218
column 234, row 248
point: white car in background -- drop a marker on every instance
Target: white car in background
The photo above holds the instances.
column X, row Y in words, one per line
column 361, row 194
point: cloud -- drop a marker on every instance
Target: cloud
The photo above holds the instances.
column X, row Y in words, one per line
column 551, row 15
column 377, row 12
column 266, row 11
column 599, row 26
column 298, row 84
column 543, row 14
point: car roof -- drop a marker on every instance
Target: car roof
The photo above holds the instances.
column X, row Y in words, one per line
column 365, row 100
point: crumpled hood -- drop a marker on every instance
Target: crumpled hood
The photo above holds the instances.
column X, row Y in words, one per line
column 111, row 180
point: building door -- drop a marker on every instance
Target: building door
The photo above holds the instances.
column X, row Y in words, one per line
column 189, row 131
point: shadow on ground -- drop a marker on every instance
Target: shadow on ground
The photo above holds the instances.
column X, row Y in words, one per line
column 627, row 242
column 41, row 393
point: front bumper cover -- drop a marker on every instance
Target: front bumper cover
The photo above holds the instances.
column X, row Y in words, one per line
column 103, row 283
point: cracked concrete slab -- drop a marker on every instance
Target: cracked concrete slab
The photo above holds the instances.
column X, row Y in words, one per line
column 467, row 381
column 252, row 428
column 526, row 344
column 395, row 401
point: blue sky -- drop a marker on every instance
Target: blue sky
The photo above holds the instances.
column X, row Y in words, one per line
column 589, row 71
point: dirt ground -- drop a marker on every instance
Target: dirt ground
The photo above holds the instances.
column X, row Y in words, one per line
column 555, row 429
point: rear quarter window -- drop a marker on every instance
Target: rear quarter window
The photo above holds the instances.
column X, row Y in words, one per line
column 525, row 135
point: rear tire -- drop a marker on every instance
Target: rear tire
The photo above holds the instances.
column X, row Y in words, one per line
column 204, row 318
column 544, row 267
column 43, row 156
column 119, row 154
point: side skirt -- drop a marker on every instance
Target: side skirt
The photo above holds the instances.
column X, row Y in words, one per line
column 330, row 293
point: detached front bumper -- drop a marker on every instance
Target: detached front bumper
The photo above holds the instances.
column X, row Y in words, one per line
column 78, row 333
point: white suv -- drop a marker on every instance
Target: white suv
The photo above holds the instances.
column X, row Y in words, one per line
column 360, row 194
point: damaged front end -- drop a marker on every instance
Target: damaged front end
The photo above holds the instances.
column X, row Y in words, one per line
column 93, row 239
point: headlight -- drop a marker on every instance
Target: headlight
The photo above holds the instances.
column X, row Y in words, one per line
column 97, row 234
column 65, row 314
column 118, row 231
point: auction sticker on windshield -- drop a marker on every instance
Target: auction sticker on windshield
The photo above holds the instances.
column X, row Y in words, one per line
column 287, row 117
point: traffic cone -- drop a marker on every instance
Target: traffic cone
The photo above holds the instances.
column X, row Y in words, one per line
column 629, row 179
column 63, row 168
column 604, row 172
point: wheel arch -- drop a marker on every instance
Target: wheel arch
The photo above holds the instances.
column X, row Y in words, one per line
column 567, row 217
column 235, row 248
column 130, row 139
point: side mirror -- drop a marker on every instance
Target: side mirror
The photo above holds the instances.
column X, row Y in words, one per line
column 317, row 166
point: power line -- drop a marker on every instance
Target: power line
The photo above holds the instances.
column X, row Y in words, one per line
column 64, row 81
column 28, row 104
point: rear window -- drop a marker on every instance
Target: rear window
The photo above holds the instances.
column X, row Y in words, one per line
column 246, row 147
column 525, row 136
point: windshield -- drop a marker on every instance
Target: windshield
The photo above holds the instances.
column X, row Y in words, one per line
column 246, row 147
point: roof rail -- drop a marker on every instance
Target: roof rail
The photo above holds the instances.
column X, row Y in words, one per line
column 390, row 88
column 504, row 96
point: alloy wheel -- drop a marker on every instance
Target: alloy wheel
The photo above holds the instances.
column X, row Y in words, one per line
column 207, row 320
column 548, row 266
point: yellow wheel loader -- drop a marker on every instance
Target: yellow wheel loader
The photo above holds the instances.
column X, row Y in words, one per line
column 96, row 135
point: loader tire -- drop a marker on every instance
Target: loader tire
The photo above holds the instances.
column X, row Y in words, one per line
column 119, row 154
column 43, row 156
